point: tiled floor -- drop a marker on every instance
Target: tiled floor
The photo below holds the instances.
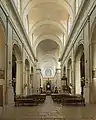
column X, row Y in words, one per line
column 50, row 111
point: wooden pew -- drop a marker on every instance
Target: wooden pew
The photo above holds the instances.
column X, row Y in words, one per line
column 73, row 101
column 67, row 99
column 29, row 100
column 57, row 98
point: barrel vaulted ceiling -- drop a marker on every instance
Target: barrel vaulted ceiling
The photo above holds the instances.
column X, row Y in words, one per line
column 47, row 16
column 48, row 21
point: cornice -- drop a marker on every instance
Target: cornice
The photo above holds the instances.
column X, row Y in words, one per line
column 21, row 25
column 73, row 27
column 86, row 19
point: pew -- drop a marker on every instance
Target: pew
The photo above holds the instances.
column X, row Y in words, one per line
column 73, row 100
column 29, row 100
column 68, row 99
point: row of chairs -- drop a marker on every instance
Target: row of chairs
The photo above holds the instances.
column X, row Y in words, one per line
column 29, row 100
column 68, row 99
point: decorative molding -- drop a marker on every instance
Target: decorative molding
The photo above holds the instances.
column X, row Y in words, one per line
column 84, row 19
column 21, row 26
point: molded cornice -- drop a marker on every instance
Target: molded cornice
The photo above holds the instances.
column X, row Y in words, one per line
column 22, row 27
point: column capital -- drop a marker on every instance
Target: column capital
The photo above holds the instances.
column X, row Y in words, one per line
column 58, row 70
column 27, row 69
column 38, row 69
column 19, row 61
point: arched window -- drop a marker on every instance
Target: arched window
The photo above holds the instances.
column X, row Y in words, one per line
column 48, row 72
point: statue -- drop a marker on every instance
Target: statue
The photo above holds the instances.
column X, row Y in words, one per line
column 64, row 78
column 82, row 86
column 14, row 86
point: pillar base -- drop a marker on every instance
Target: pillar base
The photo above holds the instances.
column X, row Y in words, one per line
column 86, row 94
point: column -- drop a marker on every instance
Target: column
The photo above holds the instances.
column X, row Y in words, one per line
column 58, row 77
column 73, row 72
column 88, row 63
column 27, row 81
column 55, row 82
column 77, row 77
column 31, row 83
column 38, row 77
column 2, row 81
column 34, row 81
column 68, row 75
column 19, row 78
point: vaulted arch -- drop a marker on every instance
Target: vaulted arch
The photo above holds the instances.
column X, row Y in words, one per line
column 47, row 22
column 48, row 36
column 31, row 3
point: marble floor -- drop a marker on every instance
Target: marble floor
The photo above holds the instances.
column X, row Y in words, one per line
column 50, row 111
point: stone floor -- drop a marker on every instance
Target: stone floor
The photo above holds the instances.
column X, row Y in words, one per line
column 50, row 111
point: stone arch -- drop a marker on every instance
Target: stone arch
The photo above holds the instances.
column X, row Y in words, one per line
column 51, row 63
column 16, row 42
column 27, row 63
column 17, row 69
column 48, row 36
column 50, row 56
column 47, row 22
column 92, row 28
column 32, row 3
column 80, row 43
column 77, row 67
column 17, row 51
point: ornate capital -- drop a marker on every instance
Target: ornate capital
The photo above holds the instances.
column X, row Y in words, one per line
column 38, row 70
column 58, row 70
column 19, row 62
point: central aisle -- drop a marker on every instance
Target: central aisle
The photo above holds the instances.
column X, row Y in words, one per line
column 49, row 111
column 46, row 110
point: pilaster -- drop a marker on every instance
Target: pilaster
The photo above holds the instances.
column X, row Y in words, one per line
column 19, row 77
column 58, row 77
column 38, row 77
column 2, row 83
